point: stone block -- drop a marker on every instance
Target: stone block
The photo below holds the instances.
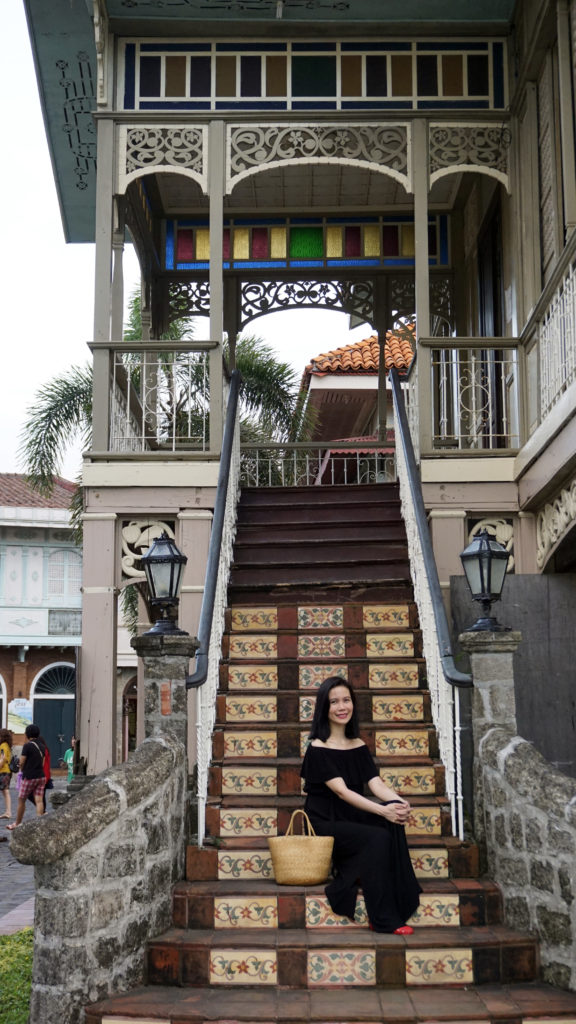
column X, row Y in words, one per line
column 156, row 833
column 135, row 935
column 107, row 951
column 500, row 797
column 64, row 959
column 542, row 875
column 559, row 840
column 501, row 830
column 565, row 881
column 516, row 831
column 517, row 913
column 512, row 871
column 107, row 906
column 557, row 974
column 534, row 833
column 124, row 859
column 62, row 916
column 77, row 872
column 554, row 927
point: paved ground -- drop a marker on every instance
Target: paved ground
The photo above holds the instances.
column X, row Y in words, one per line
column 17, row 880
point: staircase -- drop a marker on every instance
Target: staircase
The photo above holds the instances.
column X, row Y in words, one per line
column 321, row 586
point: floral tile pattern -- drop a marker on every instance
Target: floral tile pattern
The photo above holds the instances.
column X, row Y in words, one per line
column 248, row 647
column 400, row 677
column 244, row 912
column 328, row 646
column 245, row 967
column 250, row 744
column 306, row 708
column 401, row 743
column 429, row 863
column 320, row 915
column 436, row 911
column 252, row 677
column 246, row 619
column 389, row 645
column 244, row 864
column 341, row 967
column 312, row 617
column 424, row 821
column 246, row 781
column 398, row 709
column 258, row 821
column 375, row 616
column 310, row 677
column 251, row 709
column 304, row 741
column 411, row 780
column 439, row 967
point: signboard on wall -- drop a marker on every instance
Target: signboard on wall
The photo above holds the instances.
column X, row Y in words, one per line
column 19, row 714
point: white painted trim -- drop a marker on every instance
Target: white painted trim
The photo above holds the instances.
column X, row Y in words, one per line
column 203, row 513
column 42, row 672
column 457, row 471
column 341, row 382
column 157, row 474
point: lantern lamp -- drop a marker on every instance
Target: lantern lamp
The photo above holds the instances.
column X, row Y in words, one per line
column 164, row 564
column 485, row 562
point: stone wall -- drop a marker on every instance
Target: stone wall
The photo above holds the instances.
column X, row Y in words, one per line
column 105, row 863
column 529, row 829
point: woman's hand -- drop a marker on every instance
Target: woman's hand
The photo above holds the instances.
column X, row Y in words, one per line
column 397, row 812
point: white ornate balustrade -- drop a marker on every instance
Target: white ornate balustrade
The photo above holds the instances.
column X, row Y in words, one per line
column 305, row 465
column 557, row 342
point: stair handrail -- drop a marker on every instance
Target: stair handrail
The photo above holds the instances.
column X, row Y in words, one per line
column 205, row 679
column 444, row 680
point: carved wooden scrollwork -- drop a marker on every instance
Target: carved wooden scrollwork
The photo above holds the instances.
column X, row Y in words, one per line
column 469, row 147
column 554, row 521
column 261, row 297
column 137, row 536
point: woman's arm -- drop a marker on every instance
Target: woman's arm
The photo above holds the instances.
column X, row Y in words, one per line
column 384, row 792
column 396, row 813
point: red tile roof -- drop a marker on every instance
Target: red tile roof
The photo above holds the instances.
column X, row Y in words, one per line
column 363, row 357
column 15, row 490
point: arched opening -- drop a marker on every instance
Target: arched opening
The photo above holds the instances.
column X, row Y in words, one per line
column 53, row 695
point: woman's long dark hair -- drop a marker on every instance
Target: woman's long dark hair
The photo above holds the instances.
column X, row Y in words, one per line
column 320, row 728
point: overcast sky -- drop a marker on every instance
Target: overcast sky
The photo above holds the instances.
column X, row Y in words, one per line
column 48, row 285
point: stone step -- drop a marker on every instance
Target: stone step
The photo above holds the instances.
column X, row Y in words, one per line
column 254, row 618
column 406, row 674
column 483, row 1004
column 235, row 708
column 245, row 859
column 397, row 740
column 284, row 779
column 255, row 647
column 309, row 958
column 232, row 904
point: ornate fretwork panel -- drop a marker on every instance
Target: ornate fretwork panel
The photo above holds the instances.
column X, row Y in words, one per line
column 188, row 298
column 178, row 147
column 467, row 147
column 554, row 522
column 137, row 536
column 501, row 529
column 78, row 127
column 261, row 297
column 382, row 148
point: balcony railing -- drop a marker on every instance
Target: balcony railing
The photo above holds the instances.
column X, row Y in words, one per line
column 304, row 464
column 157, row 397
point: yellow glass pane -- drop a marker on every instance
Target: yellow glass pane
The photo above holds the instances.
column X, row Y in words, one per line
column 241, row 243
column 351, row 71
column 202, row 244
column 278, row 243
column 401, row 76
column 276, row 76
column 372, row 240
column 226, row 76
column 407, row 240
column 334, row 247
column 175, row 76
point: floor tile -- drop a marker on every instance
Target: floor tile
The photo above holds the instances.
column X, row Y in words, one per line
column 439, row 967
column 243, row 967
column 254, row 619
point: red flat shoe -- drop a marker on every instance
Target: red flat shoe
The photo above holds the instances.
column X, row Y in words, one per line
column 404, row 929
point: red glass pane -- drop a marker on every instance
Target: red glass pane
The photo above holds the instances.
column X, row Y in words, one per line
column 226, row 244
column 259, row 243
column 352, row 243
column 390, row 246
column 185, row 246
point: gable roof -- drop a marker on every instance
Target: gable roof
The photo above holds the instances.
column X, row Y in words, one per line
column 16, row 491
column 362, row 357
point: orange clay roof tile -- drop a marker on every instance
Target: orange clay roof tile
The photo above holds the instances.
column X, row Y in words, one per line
column 363, row 356
column 15, row 490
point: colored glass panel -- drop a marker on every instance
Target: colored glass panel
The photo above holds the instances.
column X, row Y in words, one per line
column 313, row 76
column 250, row 76
column 432, row 240
column 202, row 244
column 401, row 76
column 478, row 76
column 353, row 242
column 150, row 76
column 376, row 76
column 130, row 76
column 226, row 244
column 427, row 75
column 407, row 237
column 278, row 243
column 276, row 77
column 351, row 75
column 200, row 76
column 306, row 243
column 225, row 76
column 498, row 66
column 334, row 247
column 175, row 76
column 260, row 243
column 452, row 75
column 390, row 246
column 185, row 246
column 371, row 240
column 241, row 243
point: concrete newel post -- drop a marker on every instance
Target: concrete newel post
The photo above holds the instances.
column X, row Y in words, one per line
column 166, row 660
column 493, row 698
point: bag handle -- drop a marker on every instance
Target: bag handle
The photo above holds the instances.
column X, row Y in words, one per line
column 307, row 823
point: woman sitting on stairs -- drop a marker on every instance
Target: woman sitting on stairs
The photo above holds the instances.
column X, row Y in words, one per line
column 370, row 848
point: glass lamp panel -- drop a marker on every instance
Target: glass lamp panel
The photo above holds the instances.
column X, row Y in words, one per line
column 161, row 573
column 472, row 570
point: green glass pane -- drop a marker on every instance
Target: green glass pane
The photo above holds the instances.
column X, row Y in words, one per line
column 313, row 76
column 306, row 243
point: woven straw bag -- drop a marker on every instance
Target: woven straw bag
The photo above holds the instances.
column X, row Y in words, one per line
column 301, row 860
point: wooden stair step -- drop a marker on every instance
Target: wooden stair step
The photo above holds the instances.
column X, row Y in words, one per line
column 325, row 616
column 294, row 706
column 306, row 676
column 278, row 777
column 484, row 1004
column 332, row 532
column 337, row 494
column 352, row 551
column 357, row 573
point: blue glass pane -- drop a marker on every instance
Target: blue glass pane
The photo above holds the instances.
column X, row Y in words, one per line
column 129, row 77
column 250, row 76
column 376, row 82
column 200, row 76
column 150, row 76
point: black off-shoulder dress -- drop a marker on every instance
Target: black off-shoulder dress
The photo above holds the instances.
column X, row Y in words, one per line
column 369, row 852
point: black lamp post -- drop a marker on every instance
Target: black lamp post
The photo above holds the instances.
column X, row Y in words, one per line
column 164, row 567
column 485, row 562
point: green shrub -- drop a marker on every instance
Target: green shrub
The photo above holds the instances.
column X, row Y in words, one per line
column 15, row 976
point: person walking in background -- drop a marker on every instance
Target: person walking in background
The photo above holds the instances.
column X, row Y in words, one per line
column 6, row 741
column 33, row 778
column 47, row 773
column 69, row 759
